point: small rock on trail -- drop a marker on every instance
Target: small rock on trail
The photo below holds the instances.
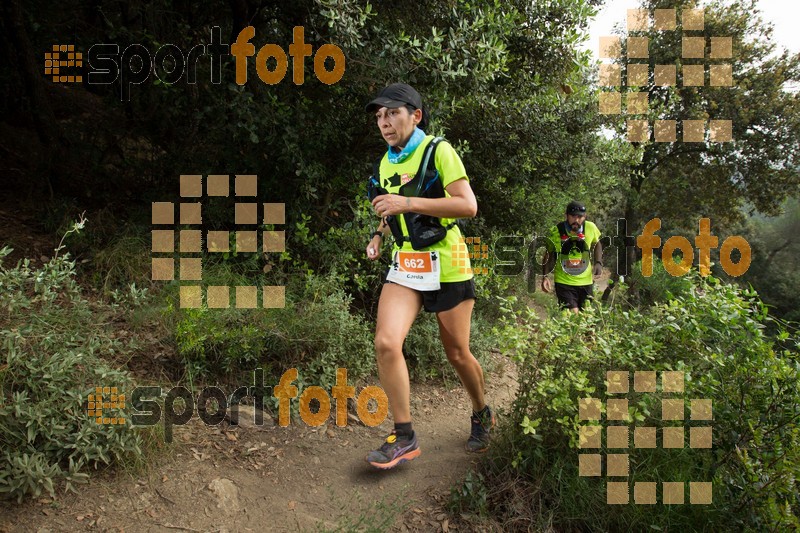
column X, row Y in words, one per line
column 227, row 495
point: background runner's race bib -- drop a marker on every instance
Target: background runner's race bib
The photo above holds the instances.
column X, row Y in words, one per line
column 575, row 265
column 415, row 270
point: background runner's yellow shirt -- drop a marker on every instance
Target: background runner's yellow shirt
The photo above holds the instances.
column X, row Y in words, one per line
column 591, row 236
column 451, row 169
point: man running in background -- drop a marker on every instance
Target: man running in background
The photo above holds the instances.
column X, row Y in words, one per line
column 572, row 242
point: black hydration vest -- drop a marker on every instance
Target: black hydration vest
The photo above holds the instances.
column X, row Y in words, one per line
column 424, row 230
column 572, row 263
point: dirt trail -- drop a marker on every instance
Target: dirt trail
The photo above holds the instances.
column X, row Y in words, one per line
column 279, row 479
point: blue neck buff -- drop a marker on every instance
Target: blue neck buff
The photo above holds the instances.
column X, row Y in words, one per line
column 416, row 138
column 569, row 228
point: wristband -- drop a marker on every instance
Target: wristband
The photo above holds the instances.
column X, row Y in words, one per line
column 375, row 234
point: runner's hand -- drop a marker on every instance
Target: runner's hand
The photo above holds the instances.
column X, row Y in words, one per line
column 546, row 284
column 597, row 269
column 374, row 248
column 391, row 204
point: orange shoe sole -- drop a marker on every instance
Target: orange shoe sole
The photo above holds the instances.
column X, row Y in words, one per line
column 410, row 456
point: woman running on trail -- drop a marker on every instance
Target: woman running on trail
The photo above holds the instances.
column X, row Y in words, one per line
column 418, row 199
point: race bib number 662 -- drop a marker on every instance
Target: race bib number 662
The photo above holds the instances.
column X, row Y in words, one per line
column 416, row 264
column 416, row 270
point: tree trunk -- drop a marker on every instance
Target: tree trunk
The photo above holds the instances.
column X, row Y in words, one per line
column 32, row 73
column 773, row 253
column 632, row 218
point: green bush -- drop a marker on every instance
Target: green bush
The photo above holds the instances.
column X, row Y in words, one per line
column 316, row 332
column 53, row 348
column 341, row 248
column 715, row 334
column 122, row 260
column 660, row 287
column 425, row 354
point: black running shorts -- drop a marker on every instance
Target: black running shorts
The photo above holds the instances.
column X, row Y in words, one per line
column 571, row 296
column 448, row 296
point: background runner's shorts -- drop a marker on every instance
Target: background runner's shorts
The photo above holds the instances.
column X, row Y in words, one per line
column 571, row 296
column 448, row 296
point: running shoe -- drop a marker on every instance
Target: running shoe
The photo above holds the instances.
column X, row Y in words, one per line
column 479, row 436
column 394, row 450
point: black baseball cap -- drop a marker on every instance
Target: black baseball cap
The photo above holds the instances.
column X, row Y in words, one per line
column 576, row 208
column 395, row 95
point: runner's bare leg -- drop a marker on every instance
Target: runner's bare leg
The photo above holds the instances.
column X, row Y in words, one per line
column 454, row 328
column 397, row 308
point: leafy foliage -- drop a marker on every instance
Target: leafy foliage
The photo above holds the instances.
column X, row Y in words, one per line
column 504, row 81
column 775, row 252
column 55, row 354
column 680, row 180
column 715, row 334
column 316, row 332
column 660, row 287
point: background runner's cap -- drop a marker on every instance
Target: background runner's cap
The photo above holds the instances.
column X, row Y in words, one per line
column 575, row 208
column 395, row 95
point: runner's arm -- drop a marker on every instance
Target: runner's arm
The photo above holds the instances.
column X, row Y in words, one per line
column 598, row 253
column 549, row 262
column 598, row 259
column 460, row 204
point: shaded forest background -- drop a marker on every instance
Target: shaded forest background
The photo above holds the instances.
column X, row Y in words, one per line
column 508, row 85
